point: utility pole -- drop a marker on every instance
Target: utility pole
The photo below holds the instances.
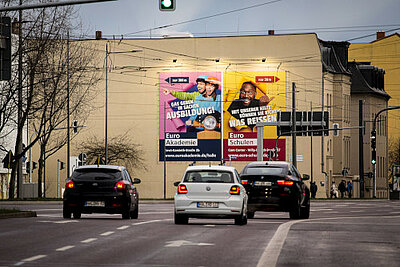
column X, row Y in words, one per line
column 68, row 111
column 294, row 154
column 106, row 111
column 311, row 154
column 361, row 148
column 19, row 119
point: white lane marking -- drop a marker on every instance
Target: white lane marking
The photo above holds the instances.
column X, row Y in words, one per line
column 49, row 215
column 65, row 248
column 46, row 209
column 272, row 222
column 123, row 227
column 152, row 221
column 58, row 222
column 209, row 225
column 37, row 257
column 395, row 212
column 107, row 233
column 179, row 243
column 19, row 263
column 273, row 250
column 89, row 240
column 162, row 212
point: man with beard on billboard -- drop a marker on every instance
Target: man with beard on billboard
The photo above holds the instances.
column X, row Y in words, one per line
column 247, row 100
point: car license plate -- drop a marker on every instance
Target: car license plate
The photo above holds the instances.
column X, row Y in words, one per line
column 207, row 204
column 262, row 183
column 95, row 204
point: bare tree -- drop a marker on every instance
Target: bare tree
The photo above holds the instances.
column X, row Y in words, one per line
column 121, row 151
column 44, row 76
column 394, row 153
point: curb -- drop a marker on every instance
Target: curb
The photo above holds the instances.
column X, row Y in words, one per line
column 21, row 214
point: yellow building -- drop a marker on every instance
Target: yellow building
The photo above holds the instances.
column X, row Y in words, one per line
column 140, row 70
column 384, row 53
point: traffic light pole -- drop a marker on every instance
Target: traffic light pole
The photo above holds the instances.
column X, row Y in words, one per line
column 373, row 146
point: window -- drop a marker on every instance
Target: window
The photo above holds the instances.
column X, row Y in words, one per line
column 267, row 170
column 208, row 177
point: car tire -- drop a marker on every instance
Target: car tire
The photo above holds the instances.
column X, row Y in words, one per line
column 135, row 213
column 181, row 219
column 77, row 214
column 250, row 214
column 242, row 218
column 294, row 211
column 66, row 213
column 305, row 212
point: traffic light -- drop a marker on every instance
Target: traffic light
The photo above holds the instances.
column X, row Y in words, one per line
column 75, row 126
column 28, row 166
column 373, row 139
column 62, row 165
column 34, row 165
column 335, row 131
column 167, row 5
column 373, row 160
column 5, row 48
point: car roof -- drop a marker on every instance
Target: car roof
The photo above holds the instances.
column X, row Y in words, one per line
column 109, row 167
column 211, row 168
column 268, row 163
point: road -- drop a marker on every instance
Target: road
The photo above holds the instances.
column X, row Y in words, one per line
column 338, row 233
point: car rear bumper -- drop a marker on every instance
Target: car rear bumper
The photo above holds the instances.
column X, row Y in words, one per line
column 112, row 204
column 270, row 204
column 226, row 207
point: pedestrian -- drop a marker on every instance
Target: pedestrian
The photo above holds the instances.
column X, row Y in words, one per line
column 350, row 188
column 342, row 188
column 334, row 192
column 313, row 189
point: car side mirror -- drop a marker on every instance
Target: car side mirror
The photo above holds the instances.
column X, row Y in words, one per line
column 136, row 181
column 306, row 177
column 176, row 183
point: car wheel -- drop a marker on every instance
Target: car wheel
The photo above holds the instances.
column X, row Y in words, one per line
column 242, row 218
column 305, row 212
column 66, row 213
column 77, row 214
column 294, row 211
column 135, row 213
column 181, row 219
column 250, row 214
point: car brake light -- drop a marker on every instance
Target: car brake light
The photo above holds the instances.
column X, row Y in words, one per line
column 235, row 190
column 120, row 185
column 70, row 184
column 182, row 189
column 243, row 182
column 285, row 182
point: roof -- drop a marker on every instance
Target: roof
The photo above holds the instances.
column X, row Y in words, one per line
column 394, row 34
column 211, row 167
column 268, row 163
column 334, row 56
column 110, row 167
column 367, row 79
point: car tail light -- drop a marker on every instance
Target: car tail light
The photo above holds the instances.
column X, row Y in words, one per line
column 235, row 190
column 120, row 185
column 182, row 189
column 285, row 182
column 243, row 182
column 70, row 184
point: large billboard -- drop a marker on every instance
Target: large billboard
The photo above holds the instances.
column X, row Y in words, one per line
column 191, row 121
column 249, row 98
column 190, row 116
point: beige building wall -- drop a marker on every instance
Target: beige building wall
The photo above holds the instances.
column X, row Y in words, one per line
column 133, row 97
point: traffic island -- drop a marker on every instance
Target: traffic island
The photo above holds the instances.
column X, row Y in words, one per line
column 6, row 214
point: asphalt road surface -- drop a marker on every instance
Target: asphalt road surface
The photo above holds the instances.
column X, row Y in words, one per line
column 338, row 233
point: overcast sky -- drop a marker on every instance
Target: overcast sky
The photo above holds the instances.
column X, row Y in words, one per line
column 334, row 20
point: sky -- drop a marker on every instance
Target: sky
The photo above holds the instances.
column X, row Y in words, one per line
column 335, row 20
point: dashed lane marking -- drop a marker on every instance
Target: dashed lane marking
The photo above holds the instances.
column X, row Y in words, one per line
column 88, row 240
column 123, row 227
column 65, row 248
column 152, row 221
column 107, row 233
column 37, row 257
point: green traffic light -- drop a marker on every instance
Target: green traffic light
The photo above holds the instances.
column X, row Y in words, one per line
column 373, row 162
column 166, row 3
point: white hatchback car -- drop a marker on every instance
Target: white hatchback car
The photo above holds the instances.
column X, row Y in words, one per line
column 210, row 192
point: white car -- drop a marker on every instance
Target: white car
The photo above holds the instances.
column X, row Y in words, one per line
column 210, row 192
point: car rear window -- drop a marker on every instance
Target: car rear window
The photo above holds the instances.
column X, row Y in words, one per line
column 264, row 170
column 96, row 174
column 208, row 177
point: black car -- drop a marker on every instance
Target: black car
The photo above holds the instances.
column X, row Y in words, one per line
column 276, row 186
column 101, row 189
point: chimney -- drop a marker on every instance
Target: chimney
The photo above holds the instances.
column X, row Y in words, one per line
column 380, row 35
column 271, row 32
column 98, row 35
